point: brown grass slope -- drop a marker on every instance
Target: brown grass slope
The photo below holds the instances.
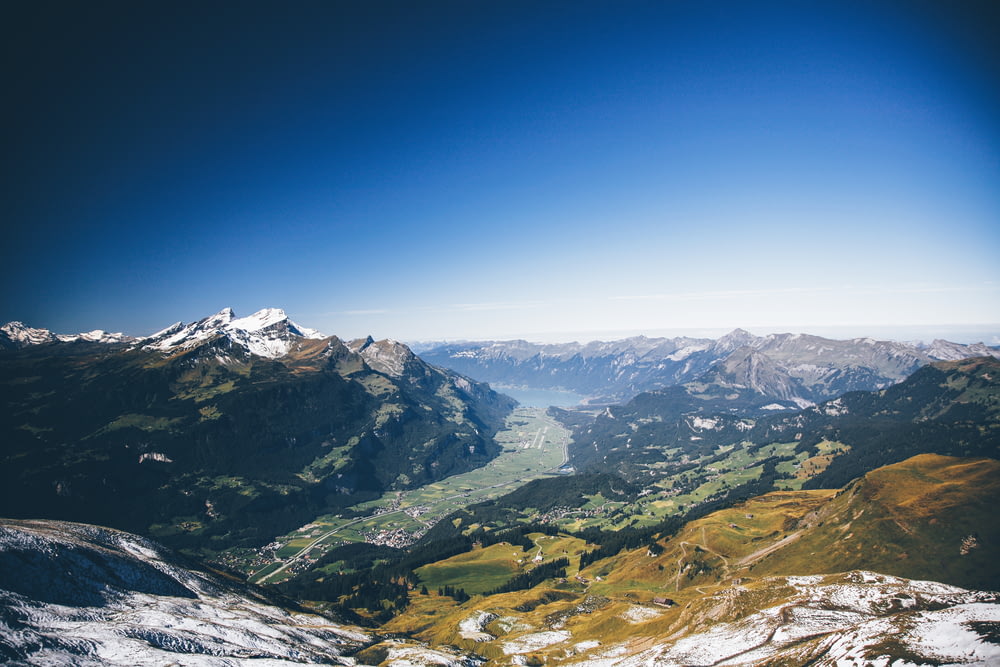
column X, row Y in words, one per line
column 929, row 517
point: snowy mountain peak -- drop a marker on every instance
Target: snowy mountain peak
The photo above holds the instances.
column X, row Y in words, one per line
column 87, row 595
column 98, row 336
column 267, row 333
column 734, row 340
column 947, row 351
column 18, row 335
column 220, row 319
column 260, row 320
column 21, row 335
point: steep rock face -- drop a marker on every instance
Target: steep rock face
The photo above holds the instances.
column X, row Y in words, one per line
column 748, row 368
column 204, row 435
column 800, row 368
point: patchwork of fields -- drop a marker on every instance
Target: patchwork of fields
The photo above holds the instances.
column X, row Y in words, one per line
column 534, row 445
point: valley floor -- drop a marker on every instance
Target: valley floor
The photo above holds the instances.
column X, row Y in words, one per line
column 534, row 445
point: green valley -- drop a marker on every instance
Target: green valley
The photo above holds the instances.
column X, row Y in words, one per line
column 533, row 446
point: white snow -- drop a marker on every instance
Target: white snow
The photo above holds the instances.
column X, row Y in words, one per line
column 261, row 319
column 267, row 333
column 687, row 351
column 474, row 626
column 218, row 626
column 25, row 335
column 400, row 654
column 834, row 408
column 703, row 424
column 534, row 641
column 842, row 617
column 638, row 614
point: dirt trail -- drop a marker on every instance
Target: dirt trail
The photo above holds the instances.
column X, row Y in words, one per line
column 780, row 544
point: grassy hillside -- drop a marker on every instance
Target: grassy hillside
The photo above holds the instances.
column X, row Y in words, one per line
column 210, row 447
column 930, row 517
column 927, row 518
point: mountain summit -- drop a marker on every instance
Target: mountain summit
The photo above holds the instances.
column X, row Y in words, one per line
column 267, row 333
column 230, row 429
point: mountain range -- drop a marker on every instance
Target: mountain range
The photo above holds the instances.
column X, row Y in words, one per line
column 946, row 408
column 227, row 430
column 782, row 500
column 790, row 370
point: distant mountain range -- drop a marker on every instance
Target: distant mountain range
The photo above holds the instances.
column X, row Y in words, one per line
column 227, row 430
column 15, row 335
column 795, row 370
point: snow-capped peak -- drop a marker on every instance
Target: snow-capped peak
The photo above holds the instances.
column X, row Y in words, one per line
column 97, row 336
column 267, row 333
column 733, row 340
column 20, row 335
column 944, row 350
column 260, row 320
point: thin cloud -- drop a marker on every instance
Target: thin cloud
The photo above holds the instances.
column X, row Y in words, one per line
column 718, row 294
column 856, row 289
column 373, row 311
column 497, row 305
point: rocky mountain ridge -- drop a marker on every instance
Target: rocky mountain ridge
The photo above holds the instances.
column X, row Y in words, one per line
column 799, row 368
column 15, row 335
column 229, row 430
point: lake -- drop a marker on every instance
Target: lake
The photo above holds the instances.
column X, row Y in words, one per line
column 541, row 398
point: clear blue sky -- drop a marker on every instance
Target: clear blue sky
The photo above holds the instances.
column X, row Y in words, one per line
column 433, row 170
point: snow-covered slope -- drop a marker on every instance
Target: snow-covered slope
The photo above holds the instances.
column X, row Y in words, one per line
column 84, row 595
column 266, row 333
column 858, row 618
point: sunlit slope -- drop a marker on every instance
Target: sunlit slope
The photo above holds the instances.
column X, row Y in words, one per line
column 782, row 577
column 929, row 517
column 209, row 444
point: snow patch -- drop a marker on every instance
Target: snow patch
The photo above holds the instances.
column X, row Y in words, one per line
column 639, row 614
column 474, row 627
column 703, row 423
column 267, row 333
column 534, row 641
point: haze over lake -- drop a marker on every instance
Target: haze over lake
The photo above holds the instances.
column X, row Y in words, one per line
column 542, row 398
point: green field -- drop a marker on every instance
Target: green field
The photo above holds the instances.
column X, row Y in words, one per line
column 533, row 445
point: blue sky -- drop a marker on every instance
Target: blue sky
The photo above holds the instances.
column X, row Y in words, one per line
column 488, row 170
